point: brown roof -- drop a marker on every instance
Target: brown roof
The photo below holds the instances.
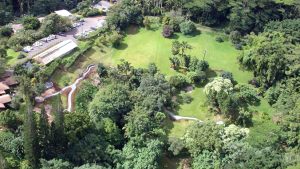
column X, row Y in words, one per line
column 7, row 73
column 2, row 106
column 3, row 86
column 2, row 92
column 10, row 81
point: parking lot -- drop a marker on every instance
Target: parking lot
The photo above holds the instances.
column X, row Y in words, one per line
column 86, row 26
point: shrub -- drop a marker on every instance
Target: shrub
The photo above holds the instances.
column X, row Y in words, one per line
column 178, row 81
column 197, row 77
column 92, row 12
column 203, row 65
column 21, row 56
column 235, row 37
column 69, row 61
column 227, row 75
column 167, row 31
column 186, row 98
column 219, row 39
column 187, row 27
column 6, row 31
column 49, row 70
column 31, row 22
column 173, row 19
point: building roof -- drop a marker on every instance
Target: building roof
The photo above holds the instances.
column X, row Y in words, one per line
column 10, row 81
column 3, row 86
column 64, row 13
column 56, row 51
column 2, row 92
column 4, row 99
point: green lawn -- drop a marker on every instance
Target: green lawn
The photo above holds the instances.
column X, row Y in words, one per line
column 141, row 47
column 12, row 57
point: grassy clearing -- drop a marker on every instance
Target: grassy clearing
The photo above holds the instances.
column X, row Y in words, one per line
column 12, row 57
column 141, row 47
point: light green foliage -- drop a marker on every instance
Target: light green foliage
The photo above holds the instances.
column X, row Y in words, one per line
column 187, row 27
column 111, row 101
column 200, row 137
column 55, row 164
column 146, row 157
column 139, row 123
column 30, row 22
column 91, row 166
column 218, row 85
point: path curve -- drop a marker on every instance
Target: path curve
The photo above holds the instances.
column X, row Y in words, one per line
column 178, row 118
column 73, row 87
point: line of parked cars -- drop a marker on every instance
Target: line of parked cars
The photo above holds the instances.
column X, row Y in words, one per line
column 39, row 43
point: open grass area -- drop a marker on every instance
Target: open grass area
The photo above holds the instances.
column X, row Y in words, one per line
column 141, row 47
column 12, row 57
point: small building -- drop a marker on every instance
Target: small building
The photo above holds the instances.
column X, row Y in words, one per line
column 4, row 99
column 63, row 13
column 3, row 88
column 55, row 51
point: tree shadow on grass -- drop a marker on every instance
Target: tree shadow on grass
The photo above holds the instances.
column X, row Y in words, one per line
column 133, row 30
column 211, row 73
column 174, row 36
column 195, row 33
column 122, row 46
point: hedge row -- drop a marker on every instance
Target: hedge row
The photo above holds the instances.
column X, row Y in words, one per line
column 49, row 70
column 69, row 61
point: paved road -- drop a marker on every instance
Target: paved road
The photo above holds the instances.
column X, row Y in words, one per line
column 89, row 22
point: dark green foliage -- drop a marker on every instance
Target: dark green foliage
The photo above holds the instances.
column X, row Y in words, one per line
column 9, row 119
column 167, row 31
column 146, row 156
column 219, row 39
column 289, row 27
column 208, row 12
column 200, row 137
column 112, row 101
column 6, row 31
column 30, row 22
column 85, row 96
column 140, row 123
column 173, row 19
column 198, row 77
column 198, row 65
column 90, row 149
column 31, row 147
column 178, row 81
column 187, row 27
column 176, row 145
column 124, row 13
column 54, row 23
column 152, row 68
column 102, row 71
column 252, row 16
column 76, row 126
column 43, row 133
column 270, row 55
column 153, row 93
column 12, row 144
column 227, row 75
